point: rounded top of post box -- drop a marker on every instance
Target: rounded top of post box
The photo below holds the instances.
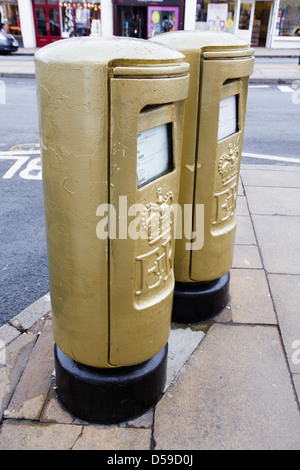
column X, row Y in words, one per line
column 103, row 50
column 187, row 40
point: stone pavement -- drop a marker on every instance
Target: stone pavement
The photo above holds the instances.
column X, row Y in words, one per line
column 272, row 73
column 263, row 72
column 233, row 382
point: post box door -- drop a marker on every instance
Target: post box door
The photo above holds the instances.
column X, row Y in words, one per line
column 141, row 278
column 223, row 97
column 187, row 175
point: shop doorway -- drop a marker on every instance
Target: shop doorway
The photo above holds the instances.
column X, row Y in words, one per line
column 261, row 23
column 132, row 22
column 47, row 21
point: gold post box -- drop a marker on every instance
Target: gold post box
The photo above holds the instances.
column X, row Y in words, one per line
column 111, row 114
column 214, row 120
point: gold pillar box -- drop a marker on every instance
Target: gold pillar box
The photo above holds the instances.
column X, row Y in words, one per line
column 111, row 114
column 214, row 121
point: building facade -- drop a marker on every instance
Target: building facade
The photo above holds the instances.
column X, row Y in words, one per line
column 35, row 23
column 271, row 24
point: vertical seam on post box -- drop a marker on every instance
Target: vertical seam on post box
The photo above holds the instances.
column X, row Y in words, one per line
column 109, row 77
column 196, row 153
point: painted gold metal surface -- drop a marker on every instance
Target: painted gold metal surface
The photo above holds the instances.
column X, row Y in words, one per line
column 111, row 298
column 220, row 67
column 143, row 268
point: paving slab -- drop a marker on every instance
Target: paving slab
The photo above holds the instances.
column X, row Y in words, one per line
column 13, row 360
column 246, row 256
column 240, row 188
column 287, row 177
column 278, row 239
column 234, row 393
column 244, row 231
column 286, row 295
column 273, row 200
column 7, row 334
column 31, row 392
column 275, row 73
column 242, row 206
column 54, row 411
column 250, row 297
column 182, row 343
column 15, row 435
column 264, row 52
column 17, row 69
column 113, row 438
column 296, row 379
column 276, row 167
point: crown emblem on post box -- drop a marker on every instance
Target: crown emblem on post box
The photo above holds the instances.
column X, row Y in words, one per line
column 229, row 163
column 156, row 217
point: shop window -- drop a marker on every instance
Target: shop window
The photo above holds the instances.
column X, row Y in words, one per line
column 10, row 20
column 162, row 20
column 54, row 22
column 245, row 15
column 215, row 16
column 288, row 19
column 80, row 18
column 133, row 22
column 41, row 22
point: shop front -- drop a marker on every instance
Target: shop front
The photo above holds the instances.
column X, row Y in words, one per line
column 10, row 19
column 286, row 28
column 55, row 20
column 144, row 19
column 263, row 23
column 254, row 21
column 271, row 23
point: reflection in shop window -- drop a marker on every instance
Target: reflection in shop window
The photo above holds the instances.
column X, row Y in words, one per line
column 81, row 18
column 41, row 22
column 162, row 20
column 133, row 21
column 54, row 22
column 208, row 18
column 288, row 19
column 216, row 16
column 10, row 20
column 245, row 15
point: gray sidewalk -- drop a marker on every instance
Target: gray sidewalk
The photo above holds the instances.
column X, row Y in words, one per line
column 272, row 72
column 233, row 383
column 263, row 73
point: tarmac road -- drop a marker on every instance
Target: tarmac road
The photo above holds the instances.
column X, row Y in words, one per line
column 23, row 257
column 272, row 121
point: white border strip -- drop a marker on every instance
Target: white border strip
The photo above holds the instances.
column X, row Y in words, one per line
column 271, row 157
column 259, row 86
column 10, row 153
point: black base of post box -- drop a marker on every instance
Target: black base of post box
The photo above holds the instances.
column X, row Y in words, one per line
column 198, row 301
column 110, row 396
